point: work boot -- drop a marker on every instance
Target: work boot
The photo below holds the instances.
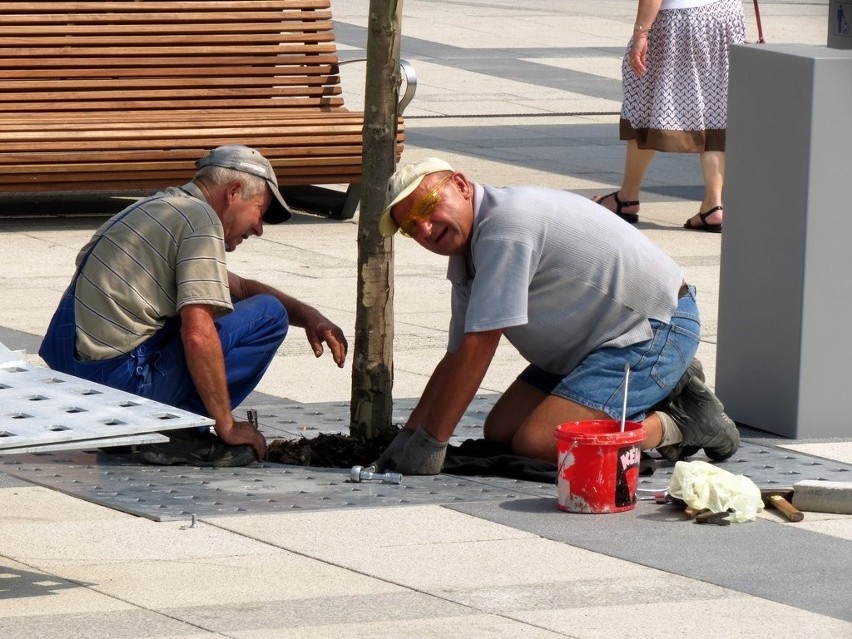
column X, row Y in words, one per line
column 191, row 447
column 703, row 423
column 695, row 369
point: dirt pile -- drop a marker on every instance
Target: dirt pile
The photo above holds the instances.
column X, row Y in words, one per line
column 330, row 450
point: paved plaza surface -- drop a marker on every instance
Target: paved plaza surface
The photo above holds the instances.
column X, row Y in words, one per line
column 510, row 92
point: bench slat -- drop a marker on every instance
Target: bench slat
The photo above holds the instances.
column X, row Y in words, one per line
column 97, row 85
column 164, row 22
column 179, row 119
column 235, row 89
column 165, row 7
column 78, row 66
column 106, row 146
column 166, row 44
column 227, row 101
column 202, row 50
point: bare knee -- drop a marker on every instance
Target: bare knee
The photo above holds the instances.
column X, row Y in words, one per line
column 510, row 411
column 536, row 440
column 495, row 431
column 536, row 437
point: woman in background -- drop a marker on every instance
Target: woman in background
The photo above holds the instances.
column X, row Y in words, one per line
column 675, row 83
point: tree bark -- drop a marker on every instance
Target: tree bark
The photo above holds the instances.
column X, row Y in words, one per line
column 372, row 358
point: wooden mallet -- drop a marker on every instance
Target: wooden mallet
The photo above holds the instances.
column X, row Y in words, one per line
column 779, row 499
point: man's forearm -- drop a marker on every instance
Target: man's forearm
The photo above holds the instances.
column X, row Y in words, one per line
column 297, row 312
column 206, row 365
column 206, row 362
column 454, row 384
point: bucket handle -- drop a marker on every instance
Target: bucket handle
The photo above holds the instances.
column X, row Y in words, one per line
column 562, row 457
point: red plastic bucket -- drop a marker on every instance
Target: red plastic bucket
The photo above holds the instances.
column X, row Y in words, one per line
column 598, row 465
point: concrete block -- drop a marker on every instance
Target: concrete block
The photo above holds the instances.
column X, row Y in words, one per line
column 823, row 496
column 782, row 359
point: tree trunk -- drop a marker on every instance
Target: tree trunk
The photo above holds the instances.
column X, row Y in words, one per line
column 372, row 357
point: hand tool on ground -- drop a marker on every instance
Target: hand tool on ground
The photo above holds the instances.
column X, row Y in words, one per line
column 252, row 417
column 660, row 496
column 692, row 513
column 779, row 499
column 707, row 516
column 359, row 474
column 817, row 496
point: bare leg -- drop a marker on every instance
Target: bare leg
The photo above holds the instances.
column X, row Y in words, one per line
column 527, row 419
column 713, row 170
column 653, row 432
column 636, row 162
column 510, row 411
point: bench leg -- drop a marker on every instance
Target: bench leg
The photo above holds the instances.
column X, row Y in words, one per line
column 337, row 205
column 350, row 203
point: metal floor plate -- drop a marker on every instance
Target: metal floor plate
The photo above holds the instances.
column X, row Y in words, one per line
column 172, row 493
column 177, row 493
column 42, row 409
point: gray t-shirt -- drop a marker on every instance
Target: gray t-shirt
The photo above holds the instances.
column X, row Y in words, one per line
column 560, row 275
column 165, row 253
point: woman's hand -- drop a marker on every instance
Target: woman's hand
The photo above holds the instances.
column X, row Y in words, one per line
column 638, row 56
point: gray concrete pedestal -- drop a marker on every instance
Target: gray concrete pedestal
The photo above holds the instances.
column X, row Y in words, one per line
column 784, row 353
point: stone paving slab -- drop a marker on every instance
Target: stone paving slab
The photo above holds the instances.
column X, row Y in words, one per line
column 777, row 561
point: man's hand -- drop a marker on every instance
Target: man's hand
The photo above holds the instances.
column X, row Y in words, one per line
column 318, row 330
column 243, row 433
column 422, row 454
column 389, row 459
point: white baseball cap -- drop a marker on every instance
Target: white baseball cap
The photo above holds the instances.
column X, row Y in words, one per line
column 402, row 184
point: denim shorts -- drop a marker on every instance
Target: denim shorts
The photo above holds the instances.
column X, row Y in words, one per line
column 656, row 365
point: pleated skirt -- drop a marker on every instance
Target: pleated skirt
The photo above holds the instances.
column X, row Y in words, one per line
column 680, row 104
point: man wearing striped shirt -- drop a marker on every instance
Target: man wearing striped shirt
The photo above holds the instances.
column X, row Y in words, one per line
column 580, row 294
column 153, row 309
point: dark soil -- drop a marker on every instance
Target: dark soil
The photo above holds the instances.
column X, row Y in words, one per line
column 331, row 451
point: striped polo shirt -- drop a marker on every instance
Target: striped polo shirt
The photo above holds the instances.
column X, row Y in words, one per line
column 167, row 251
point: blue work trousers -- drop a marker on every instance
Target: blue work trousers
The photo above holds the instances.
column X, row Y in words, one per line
column 157, row 369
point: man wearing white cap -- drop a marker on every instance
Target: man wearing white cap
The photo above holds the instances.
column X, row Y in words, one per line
column 153, row 310
column 580, row 293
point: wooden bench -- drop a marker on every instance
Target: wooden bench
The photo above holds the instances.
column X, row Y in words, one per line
column 124, row 95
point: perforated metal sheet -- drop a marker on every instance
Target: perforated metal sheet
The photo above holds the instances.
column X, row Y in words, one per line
column 41, row 408
column 101, row 442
